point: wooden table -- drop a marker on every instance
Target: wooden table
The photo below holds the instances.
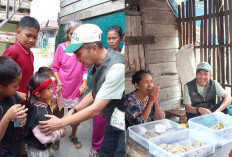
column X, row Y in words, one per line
column 134, row 149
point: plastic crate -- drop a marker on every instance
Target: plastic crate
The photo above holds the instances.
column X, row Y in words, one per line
column 136, row 132
column 181, row 137
column 203, row 123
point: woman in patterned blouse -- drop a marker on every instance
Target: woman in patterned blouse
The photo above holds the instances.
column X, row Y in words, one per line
column 142, row 105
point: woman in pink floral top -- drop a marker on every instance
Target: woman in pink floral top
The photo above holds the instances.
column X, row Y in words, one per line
column 71, row 77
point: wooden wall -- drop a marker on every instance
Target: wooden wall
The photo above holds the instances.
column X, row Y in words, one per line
column 83, row 9
column 159, row 21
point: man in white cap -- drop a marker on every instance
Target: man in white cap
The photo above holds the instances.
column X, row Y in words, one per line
column 200, row 93
column 107, row 86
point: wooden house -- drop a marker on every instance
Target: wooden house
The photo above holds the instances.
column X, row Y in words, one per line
column 152, row 41
column 103, row 13
column 154, row 34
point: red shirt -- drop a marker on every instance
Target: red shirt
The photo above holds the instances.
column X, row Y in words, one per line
column 25, row 60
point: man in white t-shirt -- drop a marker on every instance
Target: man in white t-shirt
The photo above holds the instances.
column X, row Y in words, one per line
column 107, row 88
column 200, row 93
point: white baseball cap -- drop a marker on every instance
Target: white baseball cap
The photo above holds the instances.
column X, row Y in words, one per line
column 85, row 33
column 204, row 66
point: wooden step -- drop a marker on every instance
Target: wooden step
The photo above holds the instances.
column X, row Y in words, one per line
column 176, row 113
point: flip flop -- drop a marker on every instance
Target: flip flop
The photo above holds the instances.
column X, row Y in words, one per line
column 93, row 153
column 75, row 142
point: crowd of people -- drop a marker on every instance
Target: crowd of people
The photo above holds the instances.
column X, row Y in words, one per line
column 32, row 104
column 36, row 100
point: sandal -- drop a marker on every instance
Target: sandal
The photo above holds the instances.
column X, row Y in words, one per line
column 93, row 153
column 56, row 145
column 75, row 142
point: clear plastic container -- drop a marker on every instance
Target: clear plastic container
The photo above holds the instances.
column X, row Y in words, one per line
column 60, row 99
column 136, row 132
column 181, row 137
column 203, row 123
column 229, row 108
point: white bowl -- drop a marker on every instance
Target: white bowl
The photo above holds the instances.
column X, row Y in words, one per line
column 160, row 128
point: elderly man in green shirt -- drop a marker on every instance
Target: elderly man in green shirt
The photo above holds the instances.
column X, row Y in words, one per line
column 200, row 93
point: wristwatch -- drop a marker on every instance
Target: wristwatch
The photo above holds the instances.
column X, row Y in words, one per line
column 74, row 109
column 197, row 110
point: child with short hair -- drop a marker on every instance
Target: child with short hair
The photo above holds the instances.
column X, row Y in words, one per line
column 10, row 109
column 40, row 88
column 20, row 52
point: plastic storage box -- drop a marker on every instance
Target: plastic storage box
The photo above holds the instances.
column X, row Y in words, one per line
column 136, row 132
column 229, row 108
column 202, row 125
column 181, row 137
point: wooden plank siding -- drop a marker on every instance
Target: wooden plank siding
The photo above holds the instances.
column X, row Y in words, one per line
column 215, row 44
column 162, row 17
column 155, row 19
column 135, row 53
column 159, row 21
column 83, row 9
column 72, row 6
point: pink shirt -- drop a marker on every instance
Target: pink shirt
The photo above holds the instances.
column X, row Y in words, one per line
column 70, row 71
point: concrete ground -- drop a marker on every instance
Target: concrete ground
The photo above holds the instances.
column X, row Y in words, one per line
column 84, row 131
column 84, row 134
column 40, row 60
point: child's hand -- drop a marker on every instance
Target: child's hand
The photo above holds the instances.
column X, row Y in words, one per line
column 22, row 96
column 63, row 132
column 24, row 121
column 84, row 87
column 17, row 111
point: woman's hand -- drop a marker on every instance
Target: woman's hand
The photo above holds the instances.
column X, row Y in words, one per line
column 154, row 94
column 83, row 87
column 58, row 86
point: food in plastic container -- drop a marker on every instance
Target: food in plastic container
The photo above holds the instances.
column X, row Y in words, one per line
column 139, row 132
column 182, row 143
column 221, row 125
column 221, row 136
column 149, row 134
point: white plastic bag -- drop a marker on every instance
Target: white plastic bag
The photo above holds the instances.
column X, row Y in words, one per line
column 186, row 64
